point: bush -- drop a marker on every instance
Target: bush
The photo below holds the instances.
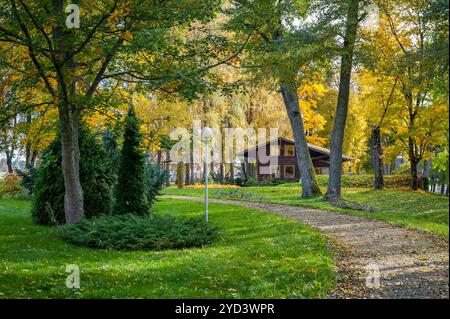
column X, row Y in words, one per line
column 131, row 232
column 366, row 181
column 251, row 181
column 239, row 182
column 28, row 177
column 131, row 190
column 10, row 185
column 155, row 179
column 95, row 175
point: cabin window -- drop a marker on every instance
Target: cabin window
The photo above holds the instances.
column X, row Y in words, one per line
column 289, row 171
column 289, row 150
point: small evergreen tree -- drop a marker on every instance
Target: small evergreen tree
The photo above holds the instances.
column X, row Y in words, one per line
column 131, row 189
column 96, row 181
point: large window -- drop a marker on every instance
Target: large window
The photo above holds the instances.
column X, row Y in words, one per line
column 289, row 150
column 289, row 171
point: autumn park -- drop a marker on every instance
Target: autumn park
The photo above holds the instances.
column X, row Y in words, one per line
column 224, row 149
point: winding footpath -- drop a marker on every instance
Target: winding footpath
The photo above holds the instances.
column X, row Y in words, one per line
column 375, row 259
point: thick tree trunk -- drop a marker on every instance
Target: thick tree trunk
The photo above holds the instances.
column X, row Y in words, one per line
column 377, row 157
column 414, row 176
column 340, row 119
column 73, row 198
column 69, row 114
column 310, row 188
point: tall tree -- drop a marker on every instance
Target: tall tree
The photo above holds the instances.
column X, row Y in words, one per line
column 340, row 118
column 404, row 46
column 277, row 49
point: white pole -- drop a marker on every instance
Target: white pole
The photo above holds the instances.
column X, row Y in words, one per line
column 206, row 180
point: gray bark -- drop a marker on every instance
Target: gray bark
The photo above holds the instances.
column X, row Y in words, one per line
column 69, row 121
column 310, row 188
column 340, row 120
column 73, row 198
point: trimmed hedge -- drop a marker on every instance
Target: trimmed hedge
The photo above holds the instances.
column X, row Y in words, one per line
column 133, row 232
column 366, row 181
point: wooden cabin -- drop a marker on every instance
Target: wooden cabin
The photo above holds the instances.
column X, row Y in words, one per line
column 287, row 168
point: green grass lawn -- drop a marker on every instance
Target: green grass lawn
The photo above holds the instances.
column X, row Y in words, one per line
column 257, row 255
column 419, row 210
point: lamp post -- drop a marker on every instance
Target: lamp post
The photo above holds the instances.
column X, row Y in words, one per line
column 207, row 134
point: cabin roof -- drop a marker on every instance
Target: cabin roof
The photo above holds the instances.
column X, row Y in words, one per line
column 311, row 147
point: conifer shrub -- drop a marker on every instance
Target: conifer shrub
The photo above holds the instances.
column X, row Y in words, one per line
column 131, row 196
column 95, row 176
column 132, row 232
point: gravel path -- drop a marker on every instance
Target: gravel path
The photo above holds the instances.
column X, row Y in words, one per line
column 408, row 263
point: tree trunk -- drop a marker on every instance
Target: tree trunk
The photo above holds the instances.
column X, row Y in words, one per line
column 377, row 157
column 34, row 155
column 413, row 162
column 244, row 171
column 221, row 172
column 187, row 180
column 9, row 158
column 73, row 198
column 310, row 188
column 414, row 176
column 69, row 114
column 231, row 173
column 158, row 158
column 192, row 167
column 340, row 119
column 167, row 167
column 427, row 168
